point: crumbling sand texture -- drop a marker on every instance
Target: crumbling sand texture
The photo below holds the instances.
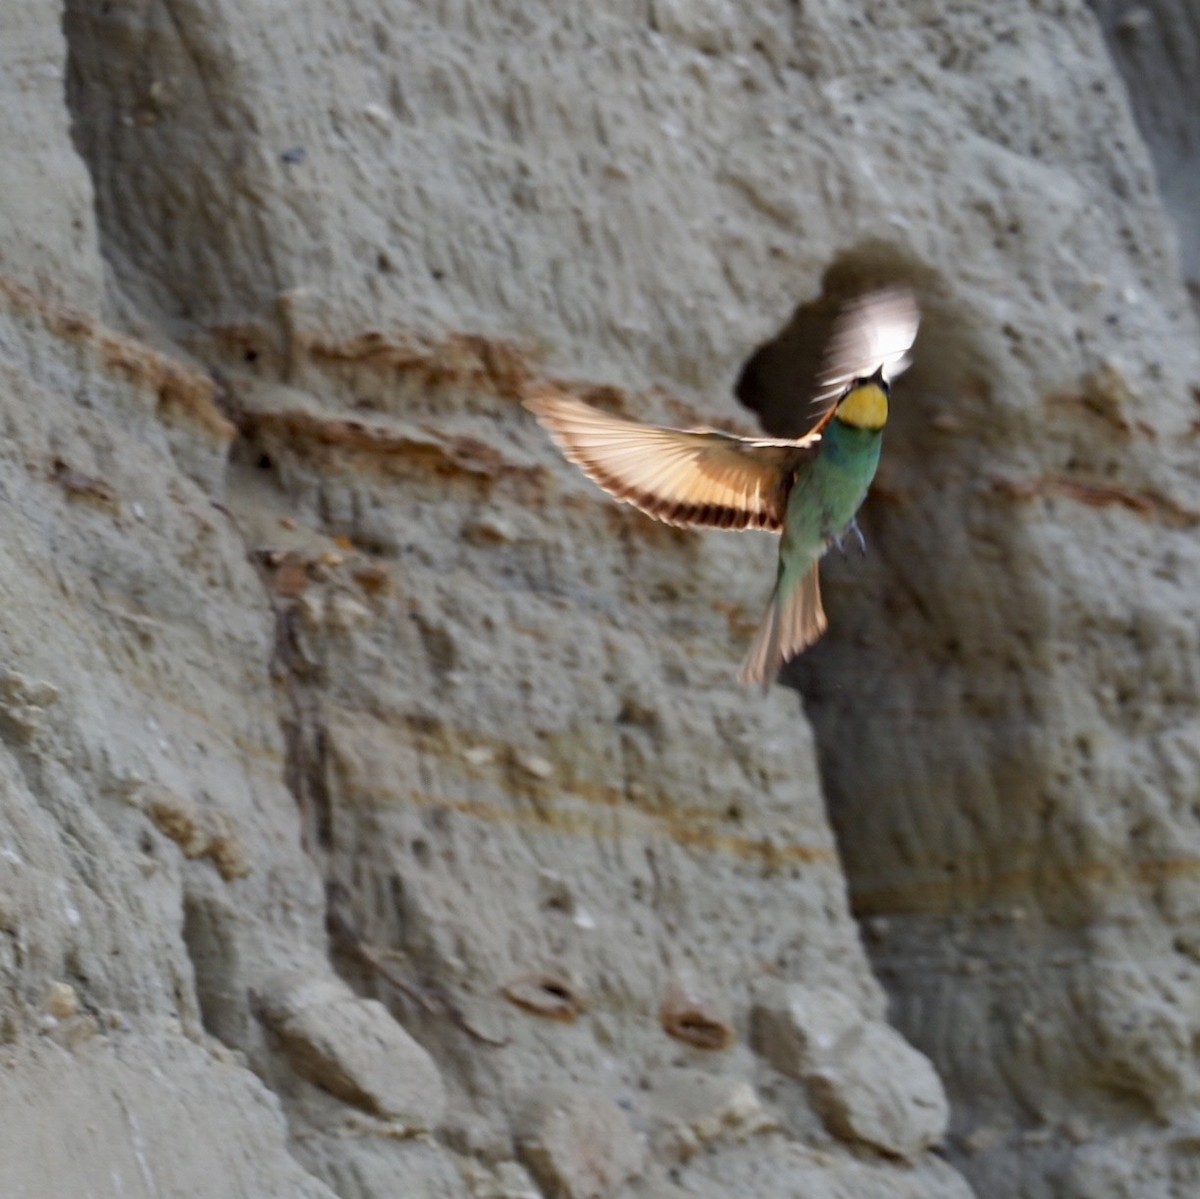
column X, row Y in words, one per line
column 378, row 813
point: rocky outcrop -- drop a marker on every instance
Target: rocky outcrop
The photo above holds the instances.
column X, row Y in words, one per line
column 380, row 812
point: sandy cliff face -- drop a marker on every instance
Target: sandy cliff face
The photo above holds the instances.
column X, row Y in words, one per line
column 380, row 815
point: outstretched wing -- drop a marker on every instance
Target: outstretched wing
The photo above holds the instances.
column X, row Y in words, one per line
column 877, row 330
column 680, row 476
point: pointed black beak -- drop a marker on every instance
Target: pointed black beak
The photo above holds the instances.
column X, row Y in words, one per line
column 877, row 377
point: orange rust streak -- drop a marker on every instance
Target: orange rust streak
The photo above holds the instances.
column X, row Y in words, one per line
column 503, row 368
column 1096, row 407
column 446, row 742
column 176, row 386
column 1148, row 504
column 460, row 358
column 588, row 823
column 456, row 454
column 944, row 895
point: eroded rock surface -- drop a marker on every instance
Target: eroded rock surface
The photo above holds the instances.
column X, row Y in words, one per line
column 335, row 706
column 864, row 1080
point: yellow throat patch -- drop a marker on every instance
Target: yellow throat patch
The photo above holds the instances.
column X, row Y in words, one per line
column 864, row 407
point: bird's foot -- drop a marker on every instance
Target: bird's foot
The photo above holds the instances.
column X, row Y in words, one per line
column 840, row 540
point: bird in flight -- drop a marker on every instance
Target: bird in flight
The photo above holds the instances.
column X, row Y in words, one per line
column 808, row 490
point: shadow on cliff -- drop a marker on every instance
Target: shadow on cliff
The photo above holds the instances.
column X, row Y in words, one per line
column 929, row 693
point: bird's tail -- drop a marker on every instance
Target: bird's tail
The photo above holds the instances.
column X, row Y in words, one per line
column 794, row 620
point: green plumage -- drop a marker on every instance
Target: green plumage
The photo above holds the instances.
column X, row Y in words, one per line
column 827, row 494
column 827, row 490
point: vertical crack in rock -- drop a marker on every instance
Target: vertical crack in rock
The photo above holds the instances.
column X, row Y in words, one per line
column 296, row 670
column 156, row 119
column 162, row 114
column 1155, row 45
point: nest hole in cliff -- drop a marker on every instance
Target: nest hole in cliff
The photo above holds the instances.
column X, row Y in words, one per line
column 781, row 373
column 901, row 614
column 776, row 383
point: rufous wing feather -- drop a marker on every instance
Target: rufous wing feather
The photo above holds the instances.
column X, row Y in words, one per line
column 680, row 476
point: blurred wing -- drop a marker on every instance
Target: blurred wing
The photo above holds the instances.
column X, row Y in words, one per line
column 875, row 331
column 682, row 477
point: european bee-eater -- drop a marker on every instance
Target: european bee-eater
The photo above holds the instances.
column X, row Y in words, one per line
column 808, row 490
